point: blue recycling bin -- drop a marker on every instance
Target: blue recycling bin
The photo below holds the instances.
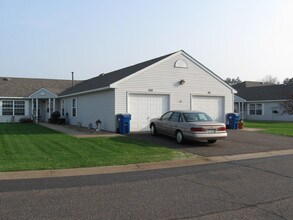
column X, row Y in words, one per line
column 124, row 123
column 232, row 120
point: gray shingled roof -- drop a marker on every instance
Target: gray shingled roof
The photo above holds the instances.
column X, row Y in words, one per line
column 24, row 87
column 106, row 79
column 251, row 91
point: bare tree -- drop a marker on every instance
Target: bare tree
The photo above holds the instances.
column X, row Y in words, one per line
column 288, row 105
column 270, row 79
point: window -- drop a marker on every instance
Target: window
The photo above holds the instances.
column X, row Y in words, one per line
column 193, row 117
column 74, row 108
column 62, row 107
column 7, row 107
column 175, row 117
column 10, row 107
column 255, row 109
column 166, row 116
column 19, row 107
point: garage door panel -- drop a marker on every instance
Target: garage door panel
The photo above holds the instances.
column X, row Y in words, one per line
column 144, row 107
column 213, row 105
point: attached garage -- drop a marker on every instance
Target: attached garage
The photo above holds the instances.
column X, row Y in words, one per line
column 146, row 90
column 144, row 107
column 213, row 105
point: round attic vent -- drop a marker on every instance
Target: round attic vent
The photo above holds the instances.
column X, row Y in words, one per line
column 181, row 64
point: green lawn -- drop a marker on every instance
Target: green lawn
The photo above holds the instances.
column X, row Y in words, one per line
column 280, row 128
column 33, row 147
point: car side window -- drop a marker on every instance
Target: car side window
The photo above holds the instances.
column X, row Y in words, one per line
column 175, row 117
column 166, row 116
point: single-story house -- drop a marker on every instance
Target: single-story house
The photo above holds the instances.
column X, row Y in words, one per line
column 261, row 101
column 145, row 90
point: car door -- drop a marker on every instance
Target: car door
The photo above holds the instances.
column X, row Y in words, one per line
column 172, row 125
column 162, row 123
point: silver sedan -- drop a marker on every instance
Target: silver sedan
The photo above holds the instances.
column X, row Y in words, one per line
column 188, row 125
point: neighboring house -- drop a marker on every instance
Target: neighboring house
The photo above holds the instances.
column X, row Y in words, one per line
column 145, row 90
column 22, row 97
column 261, row 101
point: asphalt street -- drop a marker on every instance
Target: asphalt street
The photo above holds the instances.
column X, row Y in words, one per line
column 247, row 189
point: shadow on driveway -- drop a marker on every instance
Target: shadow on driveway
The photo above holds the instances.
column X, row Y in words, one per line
column 237, row 142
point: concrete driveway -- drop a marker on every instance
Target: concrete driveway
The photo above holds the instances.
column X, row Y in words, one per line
column 238, row 142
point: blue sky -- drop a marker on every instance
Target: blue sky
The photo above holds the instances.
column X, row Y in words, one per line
column 50, row 39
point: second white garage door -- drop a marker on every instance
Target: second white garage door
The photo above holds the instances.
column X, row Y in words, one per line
column 144, row 107
column 213, row 105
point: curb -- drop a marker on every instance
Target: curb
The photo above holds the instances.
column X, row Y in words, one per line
column 195, row 160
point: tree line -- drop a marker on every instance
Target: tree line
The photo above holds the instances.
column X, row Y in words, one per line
column 266, row 79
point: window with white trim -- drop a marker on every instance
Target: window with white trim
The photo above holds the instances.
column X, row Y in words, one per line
column 7, row 107
column 11, row 107
column 19, row 107
column 256, row 109
column 74, row 107
column 62, row 107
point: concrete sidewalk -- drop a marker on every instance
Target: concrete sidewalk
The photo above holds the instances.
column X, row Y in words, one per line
column 82, row 133
column 195, row 160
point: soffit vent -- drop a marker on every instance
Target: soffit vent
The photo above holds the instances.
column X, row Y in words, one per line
column 180, row 64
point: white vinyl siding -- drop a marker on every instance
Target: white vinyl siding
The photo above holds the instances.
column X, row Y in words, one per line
column 268, row 114
column 91, row 107
column 164, row 78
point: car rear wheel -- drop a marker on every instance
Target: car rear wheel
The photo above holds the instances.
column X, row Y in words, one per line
column 153, row 130
column 179, row 137
column 212, row 141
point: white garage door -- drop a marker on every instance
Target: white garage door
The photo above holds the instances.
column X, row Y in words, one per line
column 213, row 105
column 145, row 107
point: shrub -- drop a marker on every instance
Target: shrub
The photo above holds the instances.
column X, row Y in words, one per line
column 54, row 117
column 25, row 120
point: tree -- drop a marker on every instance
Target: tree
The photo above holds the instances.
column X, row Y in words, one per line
column 270, row 79
column 288, row 81
column 288, row 105
column 233, row 81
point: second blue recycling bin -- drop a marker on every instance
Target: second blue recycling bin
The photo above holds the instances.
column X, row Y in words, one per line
column 124, row 123
column 232, row 120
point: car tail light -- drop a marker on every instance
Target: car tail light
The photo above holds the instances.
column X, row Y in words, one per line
column 222, row 129
column 197, row 129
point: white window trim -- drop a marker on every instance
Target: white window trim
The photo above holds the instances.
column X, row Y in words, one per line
column 62, row 107
column 74, row 107
column 13, row 107
column 262, row 108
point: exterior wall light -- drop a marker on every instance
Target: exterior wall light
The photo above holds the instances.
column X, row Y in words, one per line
column 182, row 81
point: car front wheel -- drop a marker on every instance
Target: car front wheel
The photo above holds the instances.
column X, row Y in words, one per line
column 179, row 137
column 153, row 130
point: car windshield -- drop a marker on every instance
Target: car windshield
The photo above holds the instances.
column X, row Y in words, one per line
column 196, row 116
